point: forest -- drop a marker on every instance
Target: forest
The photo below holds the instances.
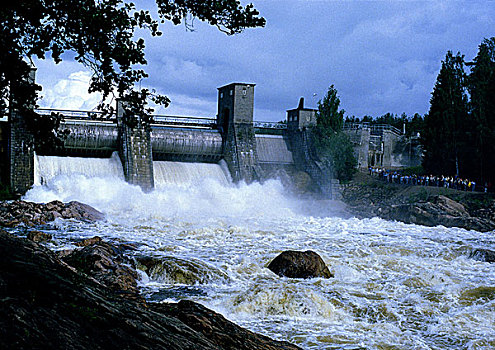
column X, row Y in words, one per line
column 458, row 132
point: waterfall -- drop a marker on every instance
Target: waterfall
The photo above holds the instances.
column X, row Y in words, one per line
column 187, row 174
column 49, row 167
column 165, row 173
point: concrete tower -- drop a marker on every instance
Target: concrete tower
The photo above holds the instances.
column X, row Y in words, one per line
column 21, row 146
column 300, row 118
column 235, row 121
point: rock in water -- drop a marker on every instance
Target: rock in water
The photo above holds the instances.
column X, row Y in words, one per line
column 225, row 334
column 483, row 255
column 83, row 212
column 46, row 304
column 170, row 269
column 88, row 241
column 295, row 264
column 38, row 236
column 106, row 263
column 21, row 212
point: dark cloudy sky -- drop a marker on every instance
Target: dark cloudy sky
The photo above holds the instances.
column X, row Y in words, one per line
column 382, row 56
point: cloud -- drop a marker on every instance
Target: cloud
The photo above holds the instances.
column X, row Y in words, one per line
column 382, row 56
column 187, row 105
column 70, row 93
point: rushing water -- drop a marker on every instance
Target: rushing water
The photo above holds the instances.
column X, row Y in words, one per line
column 396, row 286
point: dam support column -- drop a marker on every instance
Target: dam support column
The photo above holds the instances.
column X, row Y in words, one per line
column 20, row 147
column 235, row 121
column 135, row 151
column 360, row 139
column 299, row 123
column 301, row 147
column 389, row 139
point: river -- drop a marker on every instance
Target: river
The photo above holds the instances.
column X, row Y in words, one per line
column 396, row 286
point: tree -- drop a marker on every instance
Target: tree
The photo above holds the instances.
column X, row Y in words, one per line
column 415, row 125
column 329, row 117
column 332, row 146
column 481, row 86
column 444, row 138
column 102, row 35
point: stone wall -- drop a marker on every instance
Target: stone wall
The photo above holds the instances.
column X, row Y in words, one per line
column 21, row 149
column 240, row 152
column 135, row 152
column 301, row 148
column 21, row 155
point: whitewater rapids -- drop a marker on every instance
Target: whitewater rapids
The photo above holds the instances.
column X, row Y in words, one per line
column 396, row 286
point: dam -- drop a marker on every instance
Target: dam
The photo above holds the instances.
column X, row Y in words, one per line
column 248, row 150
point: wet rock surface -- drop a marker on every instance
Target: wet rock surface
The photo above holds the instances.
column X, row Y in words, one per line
column 296, row 264
column 175, row 270
column 435, row 213
column 483, row 255
column 422, row 205
column 15, row 213
column 219, row 330
column 38, row 236
column 51, row 304
column 107, row 264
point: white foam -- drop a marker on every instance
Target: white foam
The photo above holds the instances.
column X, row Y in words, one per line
column 395, row 284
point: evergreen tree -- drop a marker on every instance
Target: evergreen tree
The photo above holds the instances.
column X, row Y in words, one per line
column 332, row 146
column 444, row 139
column 329, row 118
column 415, row 125
column 481, row 85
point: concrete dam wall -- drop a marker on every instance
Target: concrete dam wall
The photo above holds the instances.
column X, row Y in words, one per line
column 101, row 139
column 231, row 138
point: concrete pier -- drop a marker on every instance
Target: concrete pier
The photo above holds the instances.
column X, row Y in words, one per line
column 235, row 120
column 135, row 151
column 21, row 147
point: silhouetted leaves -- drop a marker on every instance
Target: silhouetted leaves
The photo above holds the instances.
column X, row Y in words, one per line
column 102, row 34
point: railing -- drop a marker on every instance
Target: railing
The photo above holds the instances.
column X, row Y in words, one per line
column 375, row 129
column 378, row 129
column 158, row 120
column 269, row 125
column 74, row 114
column 163, row 120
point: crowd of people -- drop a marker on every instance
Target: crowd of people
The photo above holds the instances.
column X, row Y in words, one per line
column 455, row 182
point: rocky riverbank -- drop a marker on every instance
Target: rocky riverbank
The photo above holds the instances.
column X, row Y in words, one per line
column 88, row 298
column 367, row 196
column 15, row 213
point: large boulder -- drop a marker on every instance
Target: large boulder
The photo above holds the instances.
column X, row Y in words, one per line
column 297, row 264
column 82, row 212
column 46, row 304
column 169, row 269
